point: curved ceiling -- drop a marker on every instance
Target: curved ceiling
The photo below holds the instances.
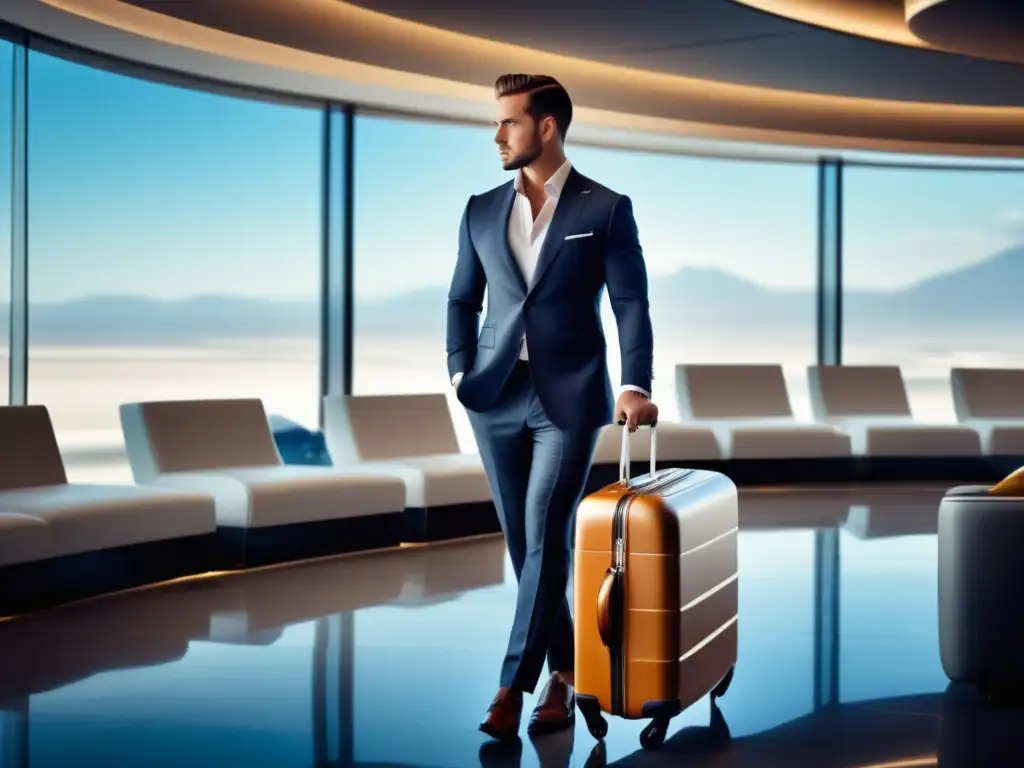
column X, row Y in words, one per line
column 986, row 29
column 990, row 28
column 883, row 20
column 701, row 68
column 719, row 40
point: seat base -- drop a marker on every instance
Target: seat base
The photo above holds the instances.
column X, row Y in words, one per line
column 1001, row 465
column 449, row 522
column 254, row 547
column 24, row 587
column 1005, row 440
column 981, row 590
column 828, row 469
column 47, row 583
column 924, row 469
column 894, row 440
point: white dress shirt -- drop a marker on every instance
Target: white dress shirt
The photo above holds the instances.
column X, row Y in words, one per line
column 526, row 236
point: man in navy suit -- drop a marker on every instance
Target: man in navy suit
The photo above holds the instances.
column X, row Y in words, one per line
column 534, row 376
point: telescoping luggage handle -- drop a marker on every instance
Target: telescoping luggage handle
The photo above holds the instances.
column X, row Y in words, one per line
column 606, row 625
column 624, row 462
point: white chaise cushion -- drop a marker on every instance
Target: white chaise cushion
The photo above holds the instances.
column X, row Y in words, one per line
column 782, row 441
column 870, row 403
column 86, row 518
column 858, row 391
column 29, row 455
column 747, row 406
column 260, row 497
column 196, row 436
column 993, row 394
column 912, row 439
column 23, row 539
column 435, row 481
column 707, row 391
column 406, row 436
column 410, row 437
column 1003, row 439
column 388, row 427
column 991, row 400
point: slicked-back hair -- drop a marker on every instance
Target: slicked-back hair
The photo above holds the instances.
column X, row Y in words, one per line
column 548, row 98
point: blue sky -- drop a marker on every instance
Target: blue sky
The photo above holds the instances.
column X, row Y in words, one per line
column 153, row 190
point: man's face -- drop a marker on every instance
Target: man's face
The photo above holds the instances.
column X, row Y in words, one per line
column 518, row 136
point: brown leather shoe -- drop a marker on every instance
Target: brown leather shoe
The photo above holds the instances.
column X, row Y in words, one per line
column 556, row 708
column 502, row 720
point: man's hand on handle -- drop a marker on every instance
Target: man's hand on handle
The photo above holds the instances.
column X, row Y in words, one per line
column 634, row 410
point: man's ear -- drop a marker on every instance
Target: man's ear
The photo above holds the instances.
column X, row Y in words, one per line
column 549, row 128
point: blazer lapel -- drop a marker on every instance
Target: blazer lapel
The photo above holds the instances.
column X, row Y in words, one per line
column 501, row 235
column 570, row 205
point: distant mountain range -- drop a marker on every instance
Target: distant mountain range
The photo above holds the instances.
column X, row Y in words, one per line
column 989, row 294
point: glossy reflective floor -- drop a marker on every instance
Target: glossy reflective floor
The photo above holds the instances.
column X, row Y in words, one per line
column 391, row 659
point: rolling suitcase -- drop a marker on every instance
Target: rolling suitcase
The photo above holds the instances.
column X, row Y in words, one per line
column 655, row 592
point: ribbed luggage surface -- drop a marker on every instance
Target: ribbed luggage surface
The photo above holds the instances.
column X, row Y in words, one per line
column 655, row 589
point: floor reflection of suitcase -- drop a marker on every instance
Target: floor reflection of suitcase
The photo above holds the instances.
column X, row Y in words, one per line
column 655, row 592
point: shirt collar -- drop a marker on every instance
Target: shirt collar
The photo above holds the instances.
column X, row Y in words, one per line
column 553, row 186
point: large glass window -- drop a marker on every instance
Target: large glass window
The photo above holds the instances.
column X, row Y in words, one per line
column 731, row 255
column 174, row 253
column 412, row 182
column 7, row 51
column 933, row 263
column 730, row 249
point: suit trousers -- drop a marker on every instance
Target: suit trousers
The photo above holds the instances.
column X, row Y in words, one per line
column 537, row 475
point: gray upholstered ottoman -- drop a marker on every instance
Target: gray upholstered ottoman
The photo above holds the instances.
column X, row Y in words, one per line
column 981, row 586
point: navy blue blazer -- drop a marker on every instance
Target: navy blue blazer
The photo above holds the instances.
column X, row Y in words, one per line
column 559, row 312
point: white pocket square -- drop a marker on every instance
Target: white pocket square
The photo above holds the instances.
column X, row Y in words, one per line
column 577, row 237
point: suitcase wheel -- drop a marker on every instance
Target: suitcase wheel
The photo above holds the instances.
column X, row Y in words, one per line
column 653, row 736
column 723, row 684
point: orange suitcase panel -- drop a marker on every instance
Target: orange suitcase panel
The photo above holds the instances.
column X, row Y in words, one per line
column 656, row 596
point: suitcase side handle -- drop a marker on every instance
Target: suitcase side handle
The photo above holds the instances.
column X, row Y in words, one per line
column 604, row 607
column 624, row 462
